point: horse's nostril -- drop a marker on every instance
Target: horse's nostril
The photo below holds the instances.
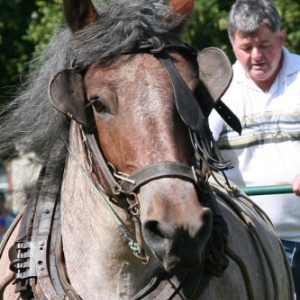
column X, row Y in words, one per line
column 204, row 229
column 207, row 216
column 153, row 228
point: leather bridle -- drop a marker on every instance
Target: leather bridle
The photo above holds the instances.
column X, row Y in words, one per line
column 192, row 115
column 190, row 112
column 206, row 157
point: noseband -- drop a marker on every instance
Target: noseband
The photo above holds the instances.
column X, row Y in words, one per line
column 131, row 183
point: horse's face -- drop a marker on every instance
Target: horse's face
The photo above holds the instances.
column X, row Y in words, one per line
column 138, row 125
column 135, row 114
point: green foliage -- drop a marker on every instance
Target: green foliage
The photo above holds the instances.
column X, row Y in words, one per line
column 14, row 51
column 290, row 21
column 25, row 28
column 208, row 25
column 44, row 20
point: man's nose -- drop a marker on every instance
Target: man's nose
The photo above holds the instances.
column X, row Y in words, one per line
column 256, row 53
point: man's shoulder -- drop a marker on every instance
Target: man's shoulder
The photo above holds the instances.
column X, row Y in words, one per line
column 291, row 61
column 239, row 75
column 235, row 89
column 288, row 53
column 238, row 68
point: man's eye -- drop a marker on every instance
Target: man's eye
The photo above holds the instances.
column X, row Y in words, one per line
column 247, row 49
column 264, row 46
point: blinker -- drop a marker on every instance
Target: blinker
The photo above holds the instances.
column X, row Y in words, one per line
column 67, row 94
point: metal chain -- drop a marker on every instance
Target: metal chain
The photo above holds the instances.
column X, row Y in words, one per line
column 137, row 250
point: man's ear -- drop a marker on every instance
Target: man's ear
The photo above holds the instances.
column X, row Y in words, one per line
column 67, row 94
column 282, row 36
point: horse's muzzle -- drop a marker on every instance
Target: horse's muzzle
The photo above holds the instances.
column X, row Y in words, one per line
column 178, row 246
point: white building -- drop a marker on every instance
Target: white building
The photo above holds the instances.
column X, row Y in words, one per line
column 17, row 176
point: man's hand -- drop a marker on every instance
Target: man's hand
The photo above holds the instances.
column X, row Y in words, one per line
column 295, row 182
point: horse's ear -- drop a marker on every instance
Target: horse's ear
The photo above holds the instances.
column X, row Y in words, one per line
column 79, row 13
column 67, row 94
column 215, row 73
column 182, row 7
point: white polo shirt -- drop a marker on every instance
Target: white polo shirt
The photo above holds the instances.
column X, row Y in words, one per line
column 269, row 148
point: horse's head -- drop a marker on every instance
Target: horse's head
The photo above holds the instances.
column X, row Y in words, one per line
column 142, row 104
column 138, row 126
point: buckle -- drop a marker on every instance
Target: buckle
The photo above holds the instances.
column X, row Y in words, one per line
column 22, row 262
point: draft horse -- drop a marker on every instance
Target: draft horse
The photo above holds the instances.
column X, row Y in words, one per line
column 125, row 206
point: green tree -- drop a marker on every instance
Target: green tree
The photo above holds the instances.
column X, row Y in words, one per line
column 289, row 11
column 208, row 25
column 44, row 21
column 25, row 29
column 14, row 50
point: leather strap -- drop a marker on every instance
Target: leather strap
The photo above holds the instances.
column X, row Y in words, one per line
column 186, row 103
column 228, row 116
column 156, row 171
column 41, row 237
column 182, row 285
column 114, row 187
column 190, row 111
column 20, row 254
column 141, row 176
column 37, row 255
column 147, row 47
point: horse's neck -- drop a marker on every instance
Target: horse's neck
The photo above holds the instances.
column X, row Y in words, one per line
column 99, row 261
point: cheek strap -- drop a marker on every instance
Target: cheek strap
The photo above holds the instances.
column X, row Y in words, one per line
column 190, row 112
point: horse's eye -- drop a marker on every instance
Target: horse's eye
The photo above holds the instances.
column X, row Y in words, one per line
column 99, row 106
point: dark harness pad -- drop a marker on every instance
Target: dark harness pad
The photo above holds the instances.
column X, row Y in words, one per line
column 215, row 74
column 67, row 94
column 215, row 71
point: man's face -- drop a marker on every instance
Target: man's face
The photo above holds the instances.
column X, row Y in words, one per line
column 259, row 54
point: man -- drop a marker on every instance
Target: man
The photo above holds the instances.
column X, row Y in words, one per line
column 265, row 96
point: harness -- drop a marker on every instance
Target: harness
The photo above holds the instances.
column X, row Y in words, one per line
column 37, row 255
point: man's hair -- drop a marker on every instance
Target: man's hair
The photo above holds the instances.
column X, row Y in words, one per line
column 246, row 16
